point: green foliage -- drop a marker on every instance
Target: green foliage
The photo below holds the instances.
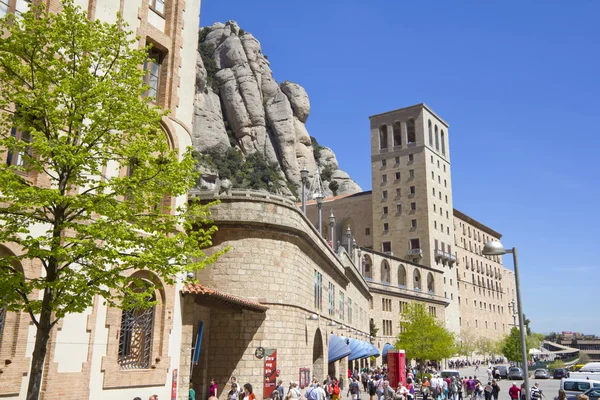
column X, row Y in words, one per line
column 487, row 347
column 373, row 329
column 534, row 340
column 207, row 53
column 527, row 322
column 203, row 34
column 316, row 148
column 584, row 358
column 78, row 87
column 334, row 186
column 326, row 174
column 511, row 347
column 466, row 345
column 424, row 338
column 253, row 172
column 556, row 365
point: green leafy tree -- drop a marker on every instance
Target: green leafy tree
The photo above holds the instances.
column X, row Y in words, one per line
column 485, row 346
column 466, row 344
column 584, row 358
column 511, row 347
column 424, row 337
column 334, row 186
column 74, row 87
column 534, row 340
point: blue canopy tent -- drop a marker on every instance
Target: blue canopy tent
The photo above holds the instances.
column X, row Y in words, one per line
column 385, row 350
column 360, row 349
column 338, row 348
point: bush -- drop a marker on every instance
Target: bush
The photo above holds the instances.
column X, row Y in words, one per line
column 316, row 148
column 207, row 53
column 326, row 174
column 334, row 186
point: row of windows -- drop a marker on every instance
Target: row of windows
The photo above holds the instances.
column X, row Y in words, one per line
column 397, row 176
column 367, row 270
column 486, row 324
column 432, row 311
column 386, row 305
column 413, row 244
column 437, row 139
column 411, row 136
column 411, row 159
column 494, row 294
column 385, row 210
column 318, row 299
column 438, row 164
column 387, row 328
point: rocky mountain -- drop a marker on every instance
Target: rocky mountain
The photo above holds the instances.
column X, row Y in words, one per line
column 249, row 131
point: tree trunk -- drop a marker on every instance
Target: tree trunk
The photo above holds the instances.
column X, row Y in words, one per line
column 41, row 346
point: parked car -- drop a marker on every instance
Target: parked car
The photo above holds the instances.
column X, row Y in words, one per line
column 515, row 373
column 560, row 373
column 592, row 394
column 449, row 373
column 574, row 387
column 503, row 371
column 541, row 373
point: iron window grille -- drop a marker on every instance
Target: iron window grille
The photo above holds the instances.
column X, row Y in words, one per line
column 135, row 339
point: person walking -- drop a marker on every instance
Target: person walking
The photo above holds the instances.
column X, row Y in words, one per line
column 248, row 393
column 234, row 393
column 495, row 389
column 425, row 388
column 562, row 395
column 212, row 391
column 487, row 391
column 192, row 392
column 354, row 389
column 535, row 393
column 293, row 392
column 514, row 392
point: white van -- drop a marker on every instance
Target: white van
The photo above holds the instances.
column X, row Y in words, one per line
column 573, row 387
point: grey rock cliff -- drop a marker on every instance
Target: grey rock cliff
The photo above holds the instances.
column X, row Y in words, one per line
column 239, row 104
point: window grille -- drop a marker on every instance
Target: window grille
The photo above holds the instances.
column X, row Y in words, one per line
column 135, row 340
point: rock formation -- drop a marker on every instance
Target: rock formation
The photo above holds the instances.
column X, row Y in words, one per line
column 240, row 107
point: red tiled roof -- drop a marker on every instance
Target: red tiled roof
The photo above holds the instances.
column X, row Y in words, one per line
column 200, row 291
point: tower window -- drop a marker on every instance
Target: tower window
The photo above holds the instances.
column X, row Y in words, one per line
column 383, row 137
column 410, row 131
column 397, row 134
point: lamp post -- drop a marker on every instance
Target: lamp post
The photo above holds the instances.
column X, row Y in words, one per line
column 354, row 246
column 360, row 261
column 331, row 226
column 496, row 249
column 304, row 178
column 319, row 196
column 348, row 236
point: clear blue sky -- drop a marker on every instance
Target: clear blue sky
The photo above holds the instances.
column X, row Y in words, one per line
column 519, row 84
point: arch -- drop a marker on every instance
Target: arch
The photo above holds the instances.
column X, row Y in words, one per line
column 437, row 139
column 443, row 142
column 385, row 271
column 383, row 137
column 402, row 275
column 430, row 133
column 397, row 133
column 318, row 358
column 342, row 231
column 416, row 279
column 430, row 283
column 411, row 135
column 367, row 267
column 169, row 130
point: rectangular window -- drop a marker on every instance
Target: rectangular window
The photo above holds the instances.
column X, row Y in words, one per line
column 411, row 173
column 386, row 247
column 434, row 224
column 397, row 160
column 432, row 175
column 398, row 208
column 434, row 208
column 432, row 159
column 157, row 5
column 413, row 190
column 19, row 159
column 386, row 226
column 152, row 76
column 384, row 178
column 342, row 306
column 383, row 163
column 403, row 306
column 433, row 191
column 445, row 183
column 413, row 223
column 446, row 199
column 367, row 231
column 411, row 157
column 415, row 244
column 349, row 310
column 398, row 192
column 385, row 210
column 413, row 206
column 384, row 195
column 331, row 299
column 318, row 289
column 397, row 176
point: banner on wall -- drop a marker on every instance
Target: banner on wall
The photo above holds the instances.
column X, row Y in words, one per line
column 396, row 363
column 174, row 385
column 270, row 382
column 304, row 378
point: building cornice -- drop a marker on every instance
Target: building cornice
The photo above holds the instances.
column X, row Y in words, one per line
column 476, row 223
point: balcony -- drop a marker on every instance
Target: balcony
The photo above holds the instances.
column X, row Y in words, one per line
column 451, row 258
column 415, row 252
column 439, row 255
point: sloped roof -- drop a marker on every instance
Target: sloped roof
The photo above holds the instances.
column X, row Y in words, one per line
column 209, row 295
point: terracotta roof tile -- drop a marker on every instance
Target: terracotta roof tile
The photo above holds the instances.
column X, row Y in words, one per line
column 230, row 300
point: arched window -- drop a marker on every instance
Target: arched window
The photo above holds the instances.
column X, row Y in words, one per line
column 430, row 283
column 385, row 271
column 397, row 131
column 410, row 131
column 443, row 143
column 437, row 139
column 430, row 134
column 383, row 137
column 401, row 275
column 135, row 337
column 367, row 267
column 417, row 280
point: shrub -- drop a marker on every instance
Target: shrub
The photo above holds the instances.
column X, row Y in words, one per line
column 334, row 186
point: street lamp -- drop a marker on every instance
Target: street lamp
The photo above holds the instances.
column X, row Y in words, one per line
column 496, row 249
column 331, row 226
column 304, row 178
column 354, row 246
column 319, row 196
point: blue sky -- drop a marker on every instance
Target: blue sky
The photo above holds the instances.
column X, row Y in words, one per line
column 518, row 82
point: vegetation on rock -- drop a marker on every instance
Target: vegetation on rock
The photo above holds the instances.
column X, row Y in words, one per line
column 207, row 51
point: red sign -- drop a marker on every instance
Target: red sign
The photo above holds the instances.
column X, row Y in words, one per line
column 174, row 385
column 304, row 377
column 396, row 363
column 270, row 382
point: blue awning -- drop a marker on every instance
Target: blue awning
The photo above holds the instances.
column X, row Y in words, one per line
column 359, row 349
column 385, row 350
column 373, row 352
column 338, row 348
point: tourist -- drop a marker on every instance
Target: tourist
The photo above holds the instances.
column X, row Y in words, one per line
column 487, row 391
column 514, row 392
column 248, row 395
column 212, row 391
column 425, row 388
column 234, row 393
column 562, row 395
column 535, row 393
column 495, row 389
column 192, row 392
column 411, row 389
column 293, row 392
column 336, row 391
column 354, row 389
column 388, row 392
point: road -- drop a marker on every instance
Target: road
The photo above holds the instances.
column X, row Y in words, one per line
column 549, row 387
